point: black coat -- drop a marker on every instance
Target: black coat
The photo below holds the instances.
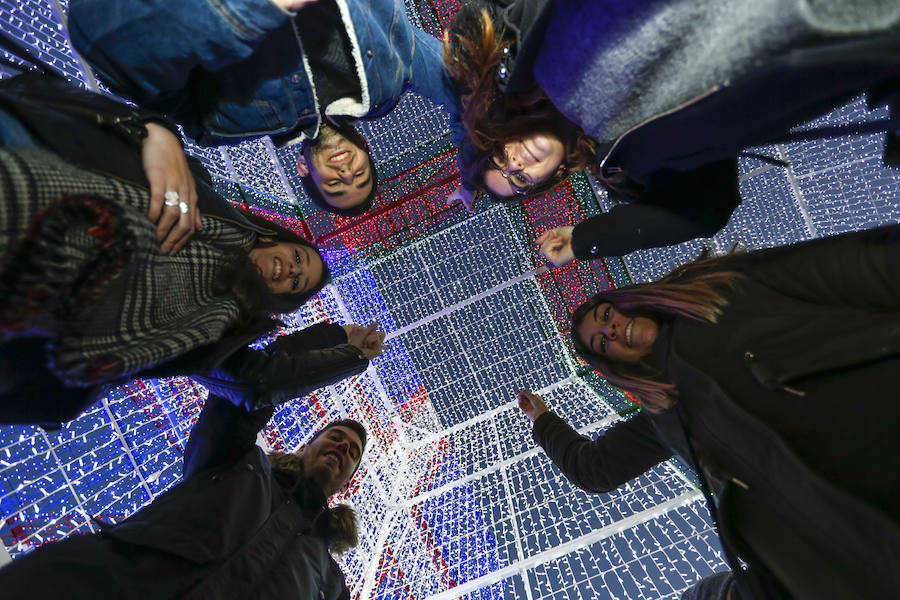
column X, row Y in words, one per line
column 672, row 208
column 234, row 513
column 827, row 320
column 233, row 528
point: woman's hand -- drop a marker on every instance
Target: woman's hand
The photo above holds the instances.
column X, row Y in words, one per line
column 367, row 339
column 556, row 245
column 532, row 405
column 461, row 194
column 167, row 171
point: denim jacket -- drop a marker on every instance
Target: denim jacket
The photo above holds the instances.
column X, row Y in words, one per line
column 232, row 70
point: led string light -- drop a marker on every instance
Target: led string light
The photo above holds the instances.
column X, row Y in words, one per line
column 454, row 499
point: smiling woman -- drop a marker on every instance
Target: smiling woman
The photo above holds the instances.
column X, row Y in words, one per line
column 525, row 163
column 91, row 296
column 608, row 332
column 287, row 268
column 744, row 365
column 518, row 143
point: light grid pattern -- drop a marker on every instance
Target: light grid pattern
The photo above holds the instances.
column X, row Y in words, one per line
column 454, row 499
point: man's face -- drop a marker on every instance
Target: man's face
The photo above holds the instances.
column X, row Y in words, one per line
column 331, row 458
column 340, row 169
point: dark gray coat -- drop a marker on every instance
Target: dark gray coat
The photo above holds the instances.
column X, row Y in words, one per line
column 668, row 84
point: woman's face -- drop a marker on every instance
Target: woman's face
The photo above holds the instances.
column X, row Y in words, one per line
column 528, row 162
column 287, row 268
column 616, row 336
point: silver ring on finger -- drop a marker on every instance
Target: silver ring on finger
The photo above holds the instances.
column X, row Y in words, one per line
column 183, row 206
column 171, row 198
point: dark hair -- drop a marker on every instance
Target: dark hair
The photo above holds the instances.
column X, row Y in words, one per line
column 242, row 279
column 315, row 194
column 473, row 49
column 693, row 291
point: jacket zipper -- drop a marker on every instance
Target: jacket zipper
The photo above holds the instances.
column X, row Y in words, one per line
column 615, row 145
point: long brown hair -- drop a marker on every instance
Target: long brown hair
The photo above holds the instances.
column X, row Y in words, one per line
column 473, row 48
column 692, row 291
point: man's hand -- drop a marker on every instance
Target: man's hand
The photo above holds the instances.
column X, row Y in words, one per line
column 556, row 245
column 167, row 171
column 461, row 194
column 367, row 339
column 532, row 405
column 292, row 5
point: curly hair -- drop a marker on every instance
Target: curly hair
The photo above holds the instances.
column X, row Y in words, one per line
column 692, row 291
column 473, row 49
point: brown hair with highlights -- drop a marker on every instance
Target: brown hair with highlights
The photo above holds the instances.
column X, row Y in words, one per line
column 693, row 291
column 473, row 47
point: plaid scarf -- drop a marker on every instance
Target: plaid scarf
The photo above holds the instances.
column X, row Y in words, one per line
column 81, row 265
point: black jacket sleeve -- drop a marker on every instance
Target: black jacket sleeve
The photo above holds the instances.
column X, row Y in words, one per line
column 314, row 337
column 223, row 434
column 254, row 378
column 623, row 452
column 674, row 207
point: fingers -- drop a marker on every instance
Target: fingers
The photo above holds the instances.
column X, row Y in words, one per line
column 524, row 401
column 546, row 250
column 466, row 197
column 178, row 222
column 372, row 341
column 157, row 179
column 173, row 194
column 540, row 239
column 375, row 339
column 531, row 397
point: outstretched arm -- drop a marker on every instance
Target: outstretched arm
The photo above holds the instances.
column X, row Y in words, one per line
column 674, row 207
column 623, row 452
column 630, row 227
column 253, row 378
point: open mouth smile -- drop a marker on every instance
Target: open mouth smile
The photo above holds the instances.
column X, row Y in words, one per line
column 339, row 157
column 276, row 268
column 628, row 333
column 336, row 457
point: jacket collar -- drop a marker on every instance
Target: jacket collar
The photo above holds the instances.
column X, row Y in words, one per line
column 303, row 490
